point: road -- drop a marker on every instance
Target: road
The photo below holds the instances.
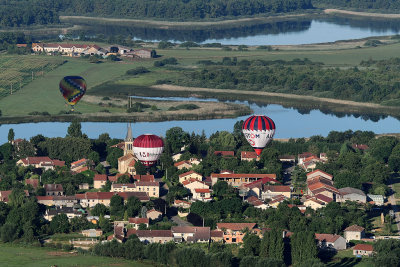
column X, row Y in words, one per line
column 395, row 207
column 179, row 221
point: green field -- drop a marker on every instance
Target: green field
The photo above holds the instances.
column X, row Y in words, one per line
column 36, row 257
column 108, row 78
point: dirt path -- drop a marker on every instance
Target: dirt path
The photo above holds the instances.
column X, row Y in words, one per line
column 363, row 14
column 168, row 87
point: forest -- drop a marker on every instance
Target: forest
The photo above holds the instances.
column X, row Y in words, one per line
column 21, row 12
column 371, row 81
column 363, row 4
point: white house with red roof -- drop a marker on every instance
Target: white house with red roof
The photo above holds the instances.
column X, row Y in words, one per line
column 178, row 203
column 317, row 173
column 136, row 222
column 202, row 194
column 99, row 180
column 193, row 184
column 235, row 232
column 276, row 200
column 41, row 162
column 190, row 175
column 363, row 250
column 81, row 165
column 313, row 203
column 269, row 191
column 153, row 215
column 257, row 203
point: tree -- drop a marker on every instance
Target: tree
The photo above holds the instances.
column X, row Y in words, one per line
column 251, row 245
column 113, row 155
column 105, row 224
column 124, row 179
column 133, row 206
column 140, row 168
column 59, row 223
column 94, row 156
column 74, row 129
column 134, row 248
column 11, row 135
column 99, row 210
column 387, row 253
column 100, row 169
column 272, row 245
column 222, row 189
column 394, row 159
column 176, row 138
column 0, row 113
column 117, row 206
column 79, row 223
column 303, row 246
column 17, row 197
column 25, row 149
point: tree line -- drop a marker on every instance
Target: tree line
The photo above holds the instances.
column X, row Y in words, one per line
column 363, row 4
column 377, row 82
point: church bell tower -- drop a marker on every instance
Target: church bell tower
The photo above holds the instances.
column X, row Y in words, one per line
column 128, row 149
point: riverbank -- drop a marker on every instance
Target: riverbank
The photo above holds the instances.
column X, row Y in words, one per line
column 362, row 14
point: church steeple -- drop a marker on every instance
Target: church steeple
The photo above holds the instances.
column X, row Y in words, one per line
column 129, row 134
column 128, row 149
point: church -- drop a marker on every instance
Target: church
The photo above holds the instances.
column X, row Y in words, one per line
column 126, row 163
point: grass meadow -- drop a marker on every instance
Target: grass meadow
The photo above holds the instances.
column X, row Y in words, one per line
column 109, row 78
column 15, row 256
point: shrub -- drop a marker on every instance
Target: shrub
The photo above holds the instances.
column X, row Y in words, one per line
column 189, row 44
column 372, row 42
column 265, row 47
column 138, row 70
column 187, row 106
column 105, row 98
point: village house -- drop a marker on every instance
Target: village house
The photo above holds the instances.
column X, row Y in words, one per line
column 319, row 185
column 201, row 194
column 310, row 163
column 275, row 201
column 318, row 173
column 126, row 164
column 151, row 188
column 301, row 157
column 99, row 180
column 192, row 184
column 54, row 189
column 123, row 187
column 143, row 53
column 191, row 234
column 69, row 211
column 190, row 175
column 81, row 165
column 237, row 179
column 45, row 200
column 351, row 194
column 363, row 250
column 40, row 162
column 136, row 222
column 270, row 191
column 144, row 178
column 378, row 200
column 329, row 241
column 154, row 215
column 313, row 203
column 354, row 232
column 249, row 156
column 68, row 201
column 234, row 232
column 152, row 236
column 256, row 203
column 217, row 236
column 184, row 164
column 181, row 204
column 361, row 147
column 90, row 199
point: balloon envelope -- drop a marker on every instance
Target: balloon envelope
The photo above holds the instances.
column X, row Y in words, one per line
column 258, row 131
column 148, row 148
column 72, row 88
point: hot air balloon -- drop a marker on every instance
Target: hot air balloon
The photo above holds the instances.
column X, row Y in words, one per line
column 259, row 131
column 72, row 89
column 148, row 148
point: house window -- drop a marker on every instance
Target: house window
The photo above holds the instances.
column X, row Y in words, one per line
column 202, row 194
column 234, row 240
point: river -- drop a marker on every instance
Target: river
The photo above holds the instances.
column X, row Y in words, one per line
column 290, row 123
column 290, row 32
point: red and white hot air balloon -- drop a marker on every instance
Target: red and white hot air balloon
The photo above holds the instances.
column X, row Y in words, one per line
column 259, row 131
column 148, row 148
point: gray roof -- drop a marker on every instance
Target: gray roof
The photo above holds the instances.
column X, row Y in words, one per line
column 350, row 190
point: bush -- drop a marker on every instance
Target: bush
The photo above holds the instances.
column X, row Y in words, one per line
column 37, row 113
column 105, row 98
column 167, row 61
column 242, row 48
column 227, row 48
column 158, row 64
column 373, row 43
column 164, row 45
column 212, row 45
column 189, row 44
column 187, row 106
column 265, row 47
column 138, row 70
column 105, row 111
column 172, row 108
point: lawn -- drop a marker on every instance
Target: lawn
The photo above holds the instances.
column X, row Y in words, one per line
column 35, row 257
column 345, row 258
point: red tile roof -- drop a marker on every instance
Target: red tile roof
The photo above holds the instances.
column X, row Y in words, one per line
column 318, row 170
column 248, row 154
column 39, row 198
column 225, row 153
column 144, row 178
column 201, row 190
column 145, row 183
column 217, row 233
column 365, row 247
column 33, row 182
column 277, row 188
column 354, row 228
column 78, row 162
column 323, row 198
column 360, row 147
column 236, row 226
column 100, row 177
column 244, row 175
column 191, row 180
column 305, row 155
column 327, row 237
column 176, row 164
column 188, row 173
